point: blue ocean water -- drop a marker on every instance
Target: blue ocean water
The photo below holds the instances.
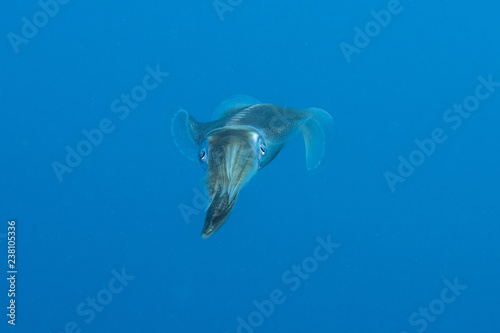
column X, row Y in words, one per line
column 399, row 233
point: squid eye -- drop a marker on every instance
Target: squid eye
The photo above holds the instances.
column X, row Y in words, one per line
column 203, row 158
column 202, row 155
column 263, row 149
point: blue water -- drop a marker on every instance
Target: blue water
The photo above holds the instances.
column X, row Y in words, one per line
column 101, row 243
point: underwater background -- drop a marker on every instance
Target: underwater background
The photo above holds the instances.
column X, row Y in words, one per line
column 399, row 233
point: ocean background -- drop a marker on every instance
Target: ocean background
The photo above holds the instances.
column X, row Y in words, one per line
column 104, row 246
